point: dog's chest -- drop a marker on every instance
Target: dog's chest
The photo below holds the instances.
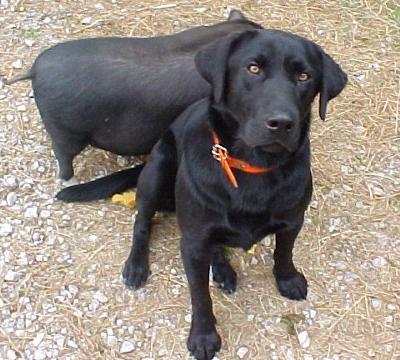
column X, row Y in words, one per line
column 243, row 230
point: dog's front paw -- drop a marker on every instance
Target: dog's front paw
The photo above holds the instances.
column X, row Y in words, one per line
column 225, row 277
column 135, row 274
column 204, row 346
column 293, row 287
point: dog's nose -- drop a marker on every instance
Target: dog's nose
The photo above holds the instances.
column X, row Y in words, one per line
column 280, row 122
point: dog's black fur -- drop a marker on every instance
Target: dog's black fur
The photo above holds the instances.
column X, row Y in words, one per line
column 260, row 109
column 250, row 113
column 119, row 94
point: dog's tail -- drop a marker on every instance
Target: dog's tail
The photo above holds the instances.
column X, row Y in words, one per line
column 102, row 188
column 19, row 77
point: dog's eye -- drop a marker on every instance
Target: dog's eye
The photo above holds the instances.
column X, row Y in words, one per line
column 253, row 69
column 303, row 77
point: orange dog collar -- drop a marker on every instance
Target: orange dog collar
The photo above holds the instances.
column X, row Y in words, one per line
column 227, row 162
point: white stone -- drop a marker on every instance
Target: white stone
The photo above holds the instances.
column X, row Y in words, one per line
column 21, row 108
column 29, row 42
column 379, row 261
column 10, row 181
column 11, row 198
column 73, row 289
column 72, row 344
column 188, row 318
column 38, row 339
column 376, row 304
column 112, row 340
column 99, row 7
column 11, row 355
column 5, row 229
column 45, row 214
column 8, row 256
column 127, row 347
column 31, row 212
column 87, row 20
column 60, row 341
column 304, row 339
column 100, row 297
column 17, row 64
column 11, row 276
column 242, row 351
column 39, row 355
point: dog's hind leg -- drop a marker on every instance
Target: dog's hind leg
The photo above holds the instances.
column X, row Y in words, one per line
column 155, row 191
column 223, row 273
column 291, row 283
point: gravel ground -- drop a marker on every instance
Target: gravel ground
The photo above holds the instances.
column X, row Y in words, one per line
column 61, row 291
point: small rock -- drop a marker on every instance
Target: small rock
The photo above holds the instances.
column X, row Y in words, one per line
column 21, row 108
column 93, row 237
column 127, row 347
column 10, row 181
column 45, row 214
column 31, row 212
column 188, row 318
column 29, row 42
column 11, row 355
column 391, row 307
column 154, row 267
column 17, row 64
column 242, row 351
column 122, row 161
column 87, row 20
column 60, row 341
column 379, row 261
column 5, row 229
column 376, row 304
column 39, row 355
column 304, row 339
column 38, row 339
column 11, row 276
column 8, row 256
column 100, row 297
column 112, row 340
column 73, row 289
column 11, row 198
column 253, row 260
column 72, row 344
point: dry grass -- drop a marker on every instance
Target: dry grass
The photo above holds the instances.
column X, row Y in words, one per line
column 348, row 249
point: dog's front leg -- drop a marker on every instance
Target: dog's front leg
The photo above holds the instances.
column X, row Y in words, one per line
column 204, row 340
column 291, row 283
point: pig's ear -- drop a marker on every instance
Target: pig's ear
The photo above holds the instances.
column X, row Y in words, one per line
column 236, row 14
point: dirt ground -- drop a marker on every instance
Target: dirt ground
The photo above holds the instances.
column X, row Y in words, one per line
column 61, row 291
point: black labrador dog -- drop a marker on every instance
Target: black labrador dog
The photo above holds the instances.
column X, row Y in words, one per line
column 238, row 163
column 236, row 166
column 119, row 94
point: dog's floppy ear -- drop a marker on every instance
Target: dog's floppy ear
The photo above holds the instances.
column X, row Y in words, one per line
column 333, row 81
column 211, row 62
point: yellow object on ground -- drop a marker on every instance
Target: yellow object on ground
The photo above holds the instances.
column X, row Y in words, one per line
column 127, row 198
column 252, row 250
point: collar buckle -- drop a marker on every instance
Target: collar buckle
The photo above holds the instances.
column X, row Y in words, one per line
column 219, row 152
